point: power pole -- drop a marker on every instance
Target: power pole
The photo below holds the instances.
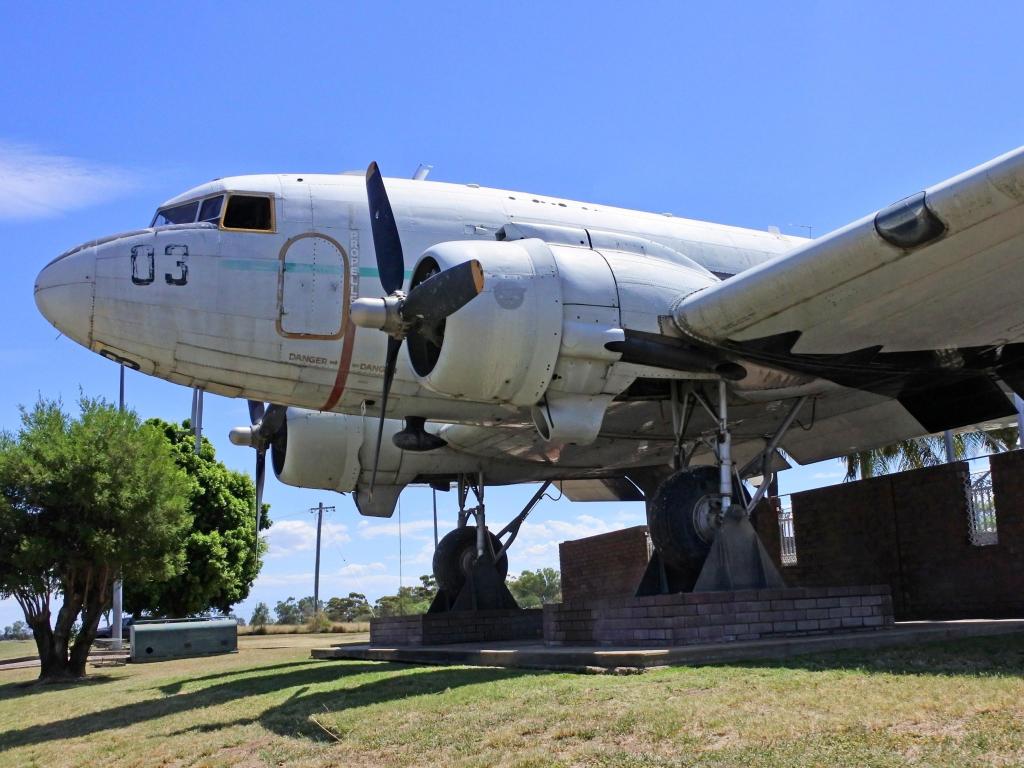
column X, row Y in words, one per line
column 319, row 510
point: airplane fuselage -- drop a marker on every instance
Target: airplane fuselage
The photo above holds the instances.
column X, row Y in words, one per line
column 262, row 313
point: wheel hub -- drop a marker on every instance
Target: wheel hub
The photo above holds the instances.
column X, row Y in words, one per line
column 706, row 517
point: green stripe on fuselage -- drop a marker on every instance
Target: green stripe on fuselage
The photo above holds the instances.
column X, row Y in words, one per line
column 263, row 265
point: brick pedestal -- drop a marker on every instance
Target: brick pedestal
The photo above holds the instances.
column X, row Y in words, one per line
column 710, row 617
column 457, row 627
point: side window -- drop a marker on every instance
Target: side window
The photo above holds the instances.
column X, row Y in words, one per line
column 210, row 209
column 249, row 212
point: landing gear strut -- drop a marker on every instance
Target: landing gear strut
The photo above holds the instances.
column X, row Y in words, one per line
column 699, row 518
column 471, row 563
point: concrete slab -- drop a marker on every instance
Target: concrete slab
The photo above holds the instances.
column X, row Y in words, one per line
column 535, row 655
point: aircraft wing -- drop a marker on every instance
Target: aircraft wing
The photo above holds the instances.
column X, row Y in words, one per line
column 920, row 302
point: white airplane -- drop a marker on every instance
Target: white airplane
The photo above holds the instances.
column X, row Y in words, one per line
column 623, row 353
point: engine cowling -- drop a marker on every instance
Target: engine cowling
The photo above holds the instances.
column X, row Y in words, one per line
column 318, row 450
column 503, row 345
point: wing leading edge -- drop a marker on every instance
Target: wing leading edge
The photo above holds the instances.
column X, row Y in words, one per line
column 919, row 302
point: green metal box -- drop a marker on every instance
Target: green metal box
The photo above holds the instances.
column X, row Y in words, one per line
column 180, row 638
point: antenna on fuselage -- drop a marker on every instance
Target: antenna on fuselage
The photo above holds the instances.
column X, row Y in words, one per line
column 422, row 171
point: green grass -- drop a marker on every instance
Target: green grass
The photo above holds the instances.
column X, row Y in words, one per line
column 954, row 704
column 16, row 649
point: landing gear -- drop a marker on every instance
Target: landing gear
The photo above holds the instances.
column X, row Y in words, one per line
column 470, row 562
column 699, row 517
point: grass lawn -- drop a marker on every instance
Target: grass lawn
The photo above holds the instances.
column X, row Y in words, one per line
column 16, row 649
column 954, row 704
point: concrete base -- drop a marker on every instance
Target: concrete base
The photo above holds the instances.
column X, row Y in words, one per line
column 458, row 627
column 535, row 655
column 689, row 618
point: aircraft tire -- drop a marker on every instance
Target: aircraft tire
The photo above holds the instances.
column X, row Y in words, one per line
column 454, row 556
column 674, row 517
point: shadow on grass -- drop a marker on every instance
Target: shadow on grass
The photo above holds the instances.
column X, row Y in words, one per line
column 175, row 687
column 390, row 682
column 993, row 656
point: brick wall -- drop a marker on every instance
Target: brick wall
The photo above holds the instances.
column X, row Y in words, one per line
column 704, row 617
column 910, row 531
column 608, row 565
column 457, row 627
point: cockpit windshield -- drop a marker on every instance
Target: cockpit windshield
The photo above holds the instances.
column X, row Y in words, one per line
column 186, row 213
column 178, row 214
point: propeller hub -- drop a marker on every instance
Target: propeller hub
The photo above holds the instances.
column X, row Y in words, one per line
column 243, row 436
column 380, row 314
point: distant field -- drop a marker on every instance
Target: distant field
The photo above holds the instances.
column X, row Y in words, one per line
column 955, row 704
column 293, row 629
column 14, row 649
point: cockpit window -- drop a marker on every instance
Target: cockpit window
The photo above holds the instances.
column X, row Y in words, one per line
column 178, row 214
column 249, row 212
column 210, row 209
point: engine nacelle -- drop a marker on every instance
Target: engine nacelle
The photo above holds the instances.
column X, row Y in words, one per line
column 318, row 450
column 503, row 345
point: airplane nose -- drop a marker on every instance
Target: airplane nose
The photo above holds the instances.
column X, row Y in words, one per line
column 64, row 293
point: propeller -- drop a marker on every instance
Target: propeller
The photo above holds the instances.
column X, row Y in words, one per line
column 423, row 310
column 266, row 425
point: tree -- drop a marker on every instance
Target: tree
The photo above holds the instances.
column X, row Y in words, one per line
column 17, row 631
column 926, row 451
column 260, row 617
column 355, row 607
column 82, row 500
column 532, row 589
column 292, row 611
column 220, row 555
column 409, row 600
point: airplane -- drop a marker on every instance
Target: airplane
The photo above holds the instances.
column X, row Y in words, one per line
column 411, row 331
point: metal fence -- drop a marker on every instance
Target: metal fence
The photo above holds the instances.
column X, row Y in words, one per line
column 981, row 510
column 787, row 534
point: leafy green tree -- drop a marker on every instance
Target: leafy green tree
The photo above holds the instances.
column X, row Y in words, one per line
column 260, row 616
column 355, row 607
column 292, row 611
column 82, row 500
column 926, row 451
column 221, row 559
column 532, row 589
column 409, row 600
column 17, row 631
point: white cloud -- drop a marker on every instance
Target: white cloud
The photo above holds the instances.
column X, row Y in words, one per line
column 288, row 537
column 358, row 577
column 415, row 529
column 39, row 185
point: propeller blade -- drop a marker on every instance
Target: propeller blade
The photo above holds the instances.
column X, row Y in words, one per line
column 272, row 421
column 389, row 374
column 386, row 243
column 255, row 412
column 443, row 294
column 261, row 474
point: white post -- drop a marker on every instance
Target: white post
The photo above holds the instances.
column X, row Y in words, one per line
column 115, row 629
column 1019, row 402
column 947, row 439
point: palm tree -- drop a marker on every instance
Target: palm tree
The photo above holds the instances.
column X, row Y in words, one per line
column 926, row 451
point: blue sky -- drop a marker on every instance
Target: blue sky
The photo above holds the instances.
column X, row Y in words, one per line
column 733, row 112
